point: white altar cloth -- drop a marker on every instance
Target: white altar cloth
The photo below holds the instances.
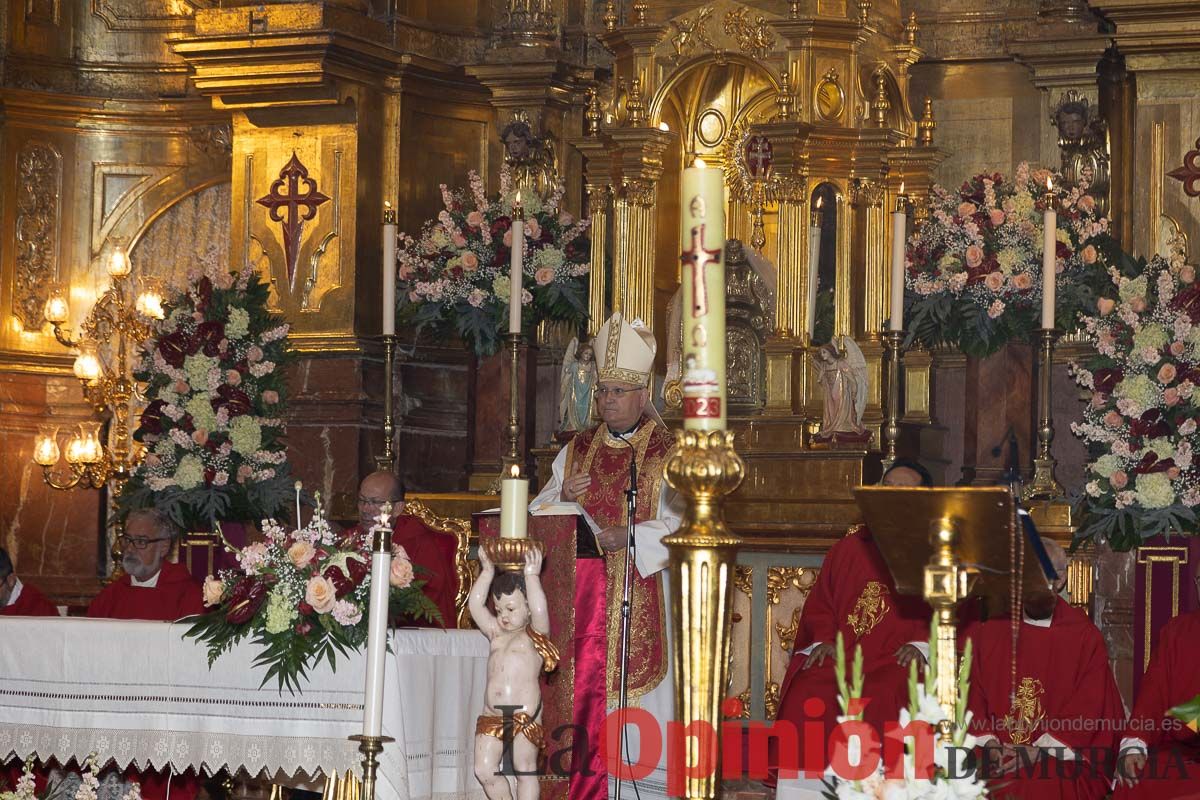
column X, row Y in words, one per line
column 139, row 693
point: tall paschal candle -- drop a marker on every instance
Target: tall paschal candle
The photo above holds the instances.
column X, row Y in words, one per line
column 703, row 266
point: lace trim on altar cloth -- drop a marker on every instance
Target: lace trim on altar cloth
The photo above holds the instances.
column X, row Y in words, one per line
column 191, row 700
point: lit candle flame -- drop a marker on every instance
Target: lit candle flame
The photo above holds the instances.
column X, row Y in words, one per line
column 1049, row 185
column 517, row 200
column 514, row 471
column 699, row 163
column 662, row 126
column 387, row 205
column 820, row 202
column 901, row 187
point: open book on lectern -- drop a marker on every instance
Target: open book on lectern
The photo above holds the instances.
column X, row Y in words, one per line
column 586, row 543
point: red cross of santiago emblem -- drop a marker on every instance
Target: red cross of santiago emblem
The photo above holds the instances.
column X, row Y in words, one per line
column 293, row 207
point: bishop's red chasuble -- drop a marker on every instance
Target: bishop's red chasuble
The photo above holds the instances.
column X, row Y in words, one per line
column 1064, row 688
column 855, row 595
column 176, row 595
column 600, row 582
column 31, row 603
column 1173, row 677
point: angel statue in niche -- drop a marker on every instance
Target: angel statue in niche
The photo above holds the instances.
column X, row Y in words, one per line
column 577, row 386
column 842, row 372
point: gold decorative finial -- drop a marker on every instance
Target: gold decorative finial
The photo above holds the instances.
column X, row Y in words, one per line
column 639, row 12
column 593, row 116
column 610, row 15
column 910, row 30
column 635, row 108
column 880, row 105
column 785, row 100
column 794, row 9
column 926, row 125
column 864, row 12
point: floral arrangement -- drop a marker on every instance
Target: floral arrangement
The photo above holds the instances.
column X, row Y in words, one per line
column 303, row 596
column 974, row 269
column 88, row 787
column 213, row 427
column 947, row 780
column 1140, row 427
column 456, row 276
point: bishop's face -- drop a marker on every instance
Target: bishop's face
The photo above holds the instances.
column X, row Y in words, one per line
column 620, row 404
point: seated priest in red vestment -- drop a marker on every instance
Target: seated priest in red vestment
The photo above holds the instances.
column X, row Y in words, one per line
column 1050, row 731
column 428, row 549
column 1171, row 768
column 19, row 599
column 152, row 588
column 593, row 471
column 855, row 595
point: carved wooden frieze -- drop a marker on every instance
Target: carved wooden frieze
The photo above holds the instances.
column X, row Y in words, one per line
column 39, row 193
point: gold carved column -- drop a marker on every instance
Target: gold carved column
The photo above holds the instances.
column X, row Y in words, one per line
column 597, row 184
column 641, row 152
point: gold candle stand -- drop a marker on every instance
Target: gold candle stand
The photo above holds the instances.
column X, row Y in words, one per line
column 509, row 554
column 1044, row 485
column 513, row 342
column 370, row 747
column 704, row 469
column 387, row 461
column 894, row 341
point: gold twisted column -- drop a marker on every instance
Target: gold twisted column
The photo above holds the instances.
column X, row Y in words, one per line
column 633, row 255
column 598, row 197
column 704, row 469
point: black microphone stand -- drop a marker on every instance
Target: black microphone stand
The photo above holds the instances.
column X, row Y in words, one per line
column 626, row 602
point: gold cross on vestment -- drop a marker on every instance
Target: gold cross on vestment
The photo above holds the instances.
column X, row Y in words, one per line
column 698, row 258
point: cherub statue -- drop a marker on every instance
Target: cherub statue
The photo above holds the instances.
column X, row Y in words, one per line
column 520, row 651
column 842, row 371
column 577, row 386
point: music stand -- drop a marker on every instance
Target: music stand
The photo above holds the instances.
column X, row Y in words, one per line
column 948, row 544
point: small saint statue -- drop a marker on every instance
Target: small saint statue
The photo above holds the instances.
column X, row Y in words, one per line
column 520, row 651
column 842, row 372
column 577, row 387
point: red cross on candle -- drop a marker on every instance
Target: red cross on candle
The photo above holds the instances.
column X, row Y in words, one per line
column 300, row 202
column 698, row 258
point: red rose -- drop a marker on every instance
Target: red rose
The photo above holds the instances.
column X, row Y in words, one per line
column 245, row 601
column 1188, row 301
column 304, row 608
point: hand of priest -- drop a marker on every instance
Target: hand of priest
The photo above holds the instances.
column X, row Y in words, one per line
column 819, row 654
column 574, row 486
column 614, row 538
column 907, row 653
column 1129, row 768
column 1014, row 756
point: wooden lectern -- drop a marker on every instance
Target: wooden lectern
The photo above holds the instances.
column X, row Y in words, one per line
column 947, row 545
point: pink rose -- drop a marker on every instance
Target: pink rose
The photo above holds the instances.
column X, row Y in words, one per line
column 270, row 397
column 994, row 281
column 255, row 353
column 1138, row 304
column 1022, row 281
column 243, row 473
column 1086, row 203
column 1089, row 254
column 996, row 215
column 474, row 219
column 1177, row 348
column 405, row 272
column 320, row 594
column 1106, row 306
column 401, row 575
column 200, row 436
column 532, row 229
column 458, row 240
column 1187, row 273
column 470, row 261
column 508, row 238
column 1118, row 479
column 974, row 256
column 1166, row 373
column 1112, row 419
column 213, row 590
column 966, row 209
column 233, row 377
column 565, row 219
column 181, row 387
column 544, row 276
column 1171, row 396
column 1173, row 473
column 413, row 296
column 301, row 554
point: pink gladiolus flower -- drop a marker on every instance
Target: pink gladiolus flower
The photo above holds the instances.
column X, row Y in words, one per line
column 1119, row 480
column 995, row 309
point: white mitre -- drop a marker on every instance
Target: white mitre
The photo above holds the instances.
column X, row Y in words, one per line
column 624, row 351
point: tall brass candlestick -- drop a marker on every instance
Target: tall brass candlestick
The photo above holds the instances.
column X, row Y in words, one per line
column 894, row 341
column 370, row 747
column 513, row 343
column 1044, row 485
column 703, row 552
column 387, row 461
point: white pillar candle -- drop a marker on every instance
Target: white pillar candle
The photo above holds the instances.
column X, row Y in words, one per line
column 899, row 234
column 514, row 504
column 515, row 271
column 377, row 628
column 389, row 269
column 1049, row 248
column 703, row 286
column 814, row 268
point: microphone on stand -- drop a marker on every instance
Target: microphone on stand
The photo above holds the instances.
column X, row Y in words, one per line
column 626, row 605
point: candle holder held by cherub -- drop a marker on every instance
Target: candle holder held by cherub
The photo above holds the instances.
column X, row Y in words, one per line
column 508, row 554
column 509, row 734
